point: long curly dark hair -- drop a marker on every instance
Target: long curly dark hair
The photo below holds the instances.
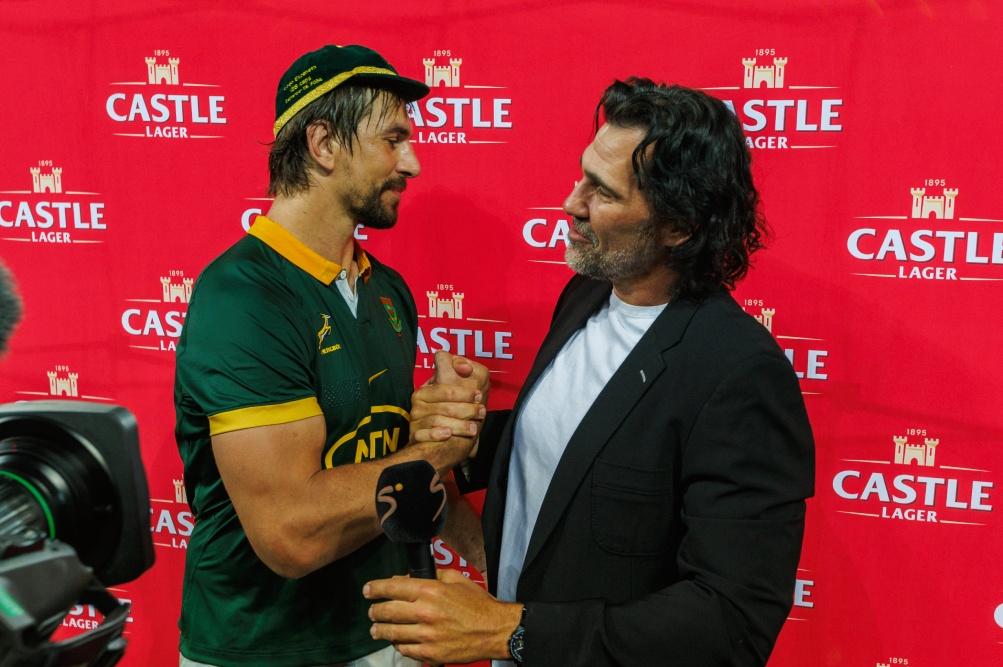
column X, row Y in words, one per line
column 693, row 169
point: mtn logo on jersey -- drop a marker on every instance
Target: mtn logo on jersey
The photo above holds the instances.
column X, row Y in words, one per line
column 380, row 433
column 158, row 324
column 483, row 338
column 908, row 246
column 807, row 355
column 171, row 520
column 161, row 105
column 776, row 114
column 49, row 212
column 910, row 482
column 62, row 382
column 463, row 113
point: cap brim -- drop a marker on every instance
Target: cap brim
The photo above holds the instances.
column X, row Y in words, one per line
column 409, row 90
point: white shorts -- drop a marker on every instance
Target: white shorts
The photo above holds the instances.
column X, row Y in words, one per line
column 386, row 657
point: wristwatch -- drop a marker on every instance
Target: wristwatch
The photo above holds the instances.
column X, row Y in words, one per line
column 517, row 640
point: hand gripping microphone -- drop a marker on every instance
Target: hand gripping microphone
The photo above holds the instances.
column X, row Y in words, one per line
column 411, row 505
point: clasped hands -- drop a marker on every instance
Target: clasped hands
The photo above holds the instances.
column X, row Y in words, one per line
column 451, row 406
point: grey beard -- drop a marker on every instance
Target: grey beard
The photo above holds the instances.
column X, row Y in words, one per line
column 615, row 265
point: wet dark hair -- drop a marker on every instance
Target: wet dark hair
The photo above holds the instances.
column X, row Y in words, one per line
column 693, row 169
column 342, row 110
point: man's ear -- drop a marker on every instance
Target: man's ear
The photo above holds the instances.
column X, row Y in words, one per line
column 672, row 237
column 324, row 148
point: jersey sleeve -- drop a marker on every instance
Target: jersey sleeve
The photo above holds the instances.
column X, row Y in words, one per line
column 245, row 357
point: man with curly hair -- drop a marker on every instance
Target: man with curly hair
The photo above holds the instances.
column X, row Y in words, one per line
column 646, row 494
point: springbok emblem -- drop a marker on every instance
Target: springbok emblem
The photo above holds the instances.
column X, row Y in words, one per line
column 324, row 330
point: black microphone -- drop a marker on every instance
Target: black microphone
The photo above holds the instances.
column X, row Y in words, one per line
column 411, row 505
column 10, row 307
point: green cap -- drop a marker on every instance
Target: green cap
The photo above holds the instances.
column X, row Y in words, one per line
column 323, row 70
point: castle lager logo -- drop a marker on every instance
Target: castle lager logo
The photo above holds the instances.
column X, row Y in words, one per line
column 545, row 230
column 445, row 557
column 804, row 591
column 777, row 109
column 447, row 326
column 62, row 382
column 171, row 520
column 931, row 241
column 49, row 212
column 157, row 324
column 913, row 484
column 162, row 106
column 87, row 617
column 463, row 113
column 808, row 355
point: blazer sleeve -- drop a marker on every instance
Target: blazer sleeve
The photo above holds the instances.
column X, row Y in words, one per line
column 747, row 467
column 474, row 476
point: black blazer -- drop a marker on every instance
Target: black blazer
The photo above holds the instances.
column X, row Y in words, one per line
column 671, row 530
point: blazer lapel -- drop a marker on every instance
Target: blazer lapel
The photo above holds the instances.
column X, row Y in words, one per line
column 571, row 319
column 635, row 376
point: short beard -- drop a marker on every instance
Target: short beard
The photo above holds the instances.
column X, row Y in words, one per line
column 368, row 209
column 615, row 265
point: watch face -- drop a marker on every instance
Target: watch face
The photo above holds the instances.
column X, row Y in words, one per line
column 516, row 643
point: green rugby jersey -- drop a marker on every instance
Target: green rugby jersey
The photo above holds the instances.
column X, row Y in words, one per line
column 269, row 339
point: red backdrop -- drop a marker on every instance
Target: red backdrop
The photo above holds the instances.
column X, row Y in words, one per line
column 134, row 149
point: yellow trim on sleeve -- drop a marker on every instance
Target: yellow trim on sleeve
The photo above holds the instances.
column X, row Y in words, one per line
column 376, row 409
column 325, row 87
column 263, row 415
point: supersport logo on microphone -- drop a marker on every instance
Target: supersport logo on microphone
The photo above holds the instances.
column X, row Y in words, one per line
column 386, row 495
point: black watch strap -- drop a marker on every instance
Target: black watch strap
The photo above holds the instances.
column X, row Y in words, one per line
column 517, row 640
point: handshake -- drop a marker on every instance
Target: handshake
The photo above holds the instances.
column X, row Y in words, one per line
column 449, row 410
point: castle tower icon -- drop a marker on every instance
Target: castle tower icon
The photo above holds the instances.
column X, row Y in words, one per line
column 452, row 308
column 922, row 455
column 180, row 494
column 766, row 318
column 447, row 75
column 768, row 76
column 162, row 73
column 51, row 182
column 925, row 206
column 63, row 386
column 174, row 292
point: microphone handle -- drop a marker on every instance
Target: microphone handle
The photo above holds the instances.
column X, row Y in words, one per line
column 419, row 560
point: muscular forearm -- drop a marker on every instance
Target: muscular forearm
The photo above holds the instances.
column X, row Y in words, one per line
column 334, row 513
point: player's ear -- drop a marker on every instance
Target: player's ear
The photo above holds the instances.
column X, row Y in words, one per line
column 323, row 146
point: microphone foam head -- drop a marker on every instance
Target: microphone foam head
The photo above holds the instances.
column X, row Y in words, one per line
column 10, row 307
column 411, row 502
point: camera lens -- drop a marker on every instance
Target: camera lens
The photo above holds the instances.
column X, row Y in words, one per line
column 22, row 508
column 53, row 482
